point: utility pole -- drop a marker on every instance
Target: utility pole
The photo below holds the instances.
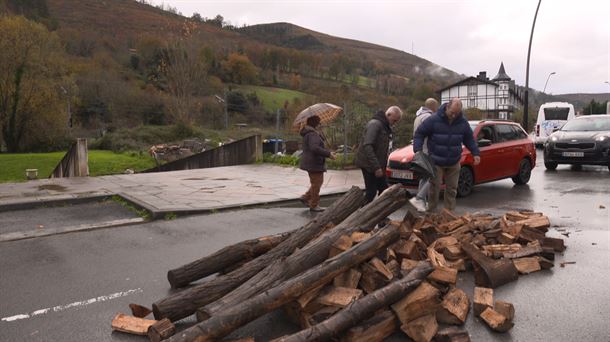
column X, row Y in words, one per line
column 226, row 103
column 527, row 74
column 277, row 130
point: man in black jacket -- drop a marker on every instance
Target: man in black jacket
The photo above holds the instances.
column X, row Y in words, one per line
column 372, row 156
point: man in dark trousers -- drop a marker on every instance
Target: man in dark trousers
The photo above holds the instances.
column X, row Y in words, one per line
column 446, row 131
column 372, row 155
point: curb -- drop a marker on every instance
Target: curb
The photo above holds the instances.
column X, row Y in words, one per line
column 54, row 201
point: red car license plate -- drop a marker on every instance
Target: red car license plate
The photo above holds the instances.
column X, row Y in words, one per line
column 573, row 154
column 402, row 174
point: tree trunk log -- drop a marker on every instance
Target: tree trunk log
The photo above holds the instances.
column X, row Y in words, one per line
column 362, row 308
column 313, row 253
column 186, row 302
column 223, row 259
column 234, row 317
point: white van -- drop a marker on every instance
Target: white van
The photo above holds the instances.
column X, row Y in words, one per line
column 551, row 116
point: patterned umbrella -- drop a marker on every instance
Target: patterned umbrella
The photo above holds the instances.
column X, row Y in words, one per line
column 326, row 111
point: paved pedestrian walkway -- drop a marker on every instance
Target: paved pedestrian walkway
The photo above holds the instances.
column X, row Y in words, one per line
column 188, row 191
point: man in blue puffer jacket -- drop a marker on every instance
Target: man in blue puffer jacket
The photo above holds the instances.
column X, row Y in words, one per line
column 446, row 131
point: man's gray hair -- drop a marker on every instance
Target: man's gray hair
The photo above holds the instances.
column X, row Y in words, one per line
column 394, row 109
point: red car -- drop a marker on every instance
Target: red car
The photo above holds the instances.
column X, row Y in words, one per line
column 506, row 151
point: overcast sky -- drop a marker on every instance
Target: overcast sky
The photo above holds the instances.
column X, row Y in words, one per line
column 571, row 37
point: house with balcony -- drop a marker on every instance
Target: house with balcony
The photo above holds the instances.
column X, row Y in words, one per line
column 497, row 98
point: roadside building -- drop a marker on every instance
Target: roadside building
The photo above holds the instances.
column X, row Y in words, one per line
column 497, row 98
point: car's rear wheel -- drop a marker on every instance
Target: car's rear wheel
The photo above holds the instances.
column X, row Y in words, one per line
column 465, row 182
column 525, row 172
column 550, row 165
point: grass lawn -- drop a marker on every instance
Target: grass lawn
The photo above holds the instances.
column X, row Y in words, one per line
column 12, row 166
column 273, row 98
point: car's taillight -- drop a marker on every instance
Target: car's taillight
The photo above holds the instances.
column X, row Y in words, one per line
column 537, row 130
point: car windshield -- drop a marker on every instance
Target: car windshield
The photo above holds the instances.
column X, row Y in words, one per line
column 557, row 113
column 588, row 124
column 473, row 125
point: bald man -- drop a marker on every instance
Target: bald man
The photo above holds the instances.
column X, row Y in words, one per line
column 372, row 155
column 446, row 131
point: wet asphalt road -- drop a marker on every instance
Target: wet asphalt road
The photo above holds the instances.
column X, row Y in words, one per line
column 85, row 278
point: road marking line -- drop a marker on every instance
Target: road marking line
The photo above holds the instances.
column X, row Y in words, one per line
column 71, row 305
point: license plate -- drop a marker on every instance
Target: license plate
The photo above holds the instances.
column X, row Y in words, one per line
column 402, row 174
column 573, row 154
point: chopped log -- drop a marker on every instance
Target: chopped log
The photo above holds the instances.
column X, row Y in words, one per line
column 452, row 334
column 186, row 302
column 338, row 296
column 541, row 223
column 483, row 299
column 316, row 251
column 130, row 324
column 548, row 252
column 161, row 330
column 479, row 240
column 515, row 216
column 358, row 237
column 421, row 329
column 444, row 274
column 228, row 319
column 505, row 309
column 457, row 264
column 394, row 267
column 527, row 265
column 374, row 329
column 223, row 259
column 407, row 265
column 423, row 301
column 496, row 321
column 371, row 279
column 390, row 255
column 350, row 279
column 494, row 272
column 528, row 234
column 555, row 243
column 381, row 268
column 453, row 253
column 139, row 310
column 429, row 233
column 524, row 252
column 407, row 249
column 545, row 263
column 342, row 244
column 506, row 238
column 362, row 308
column 454, row 307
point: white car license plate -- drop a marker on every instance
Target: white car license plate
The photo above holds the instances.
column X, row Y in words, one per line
column 573, row 154
column 402, row 174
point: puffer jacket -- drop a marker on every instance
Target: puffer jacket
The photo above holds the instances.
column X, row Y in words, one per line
column 314, row 154
column 445, row 139
column 373, row 151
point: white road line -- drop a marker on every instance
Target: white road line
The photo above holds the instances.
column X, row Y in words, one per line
column 71, row 305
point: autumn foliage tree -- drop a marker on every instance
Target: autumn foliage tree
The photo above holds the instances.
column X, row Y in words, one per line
column 32, row 73
column 240, row 69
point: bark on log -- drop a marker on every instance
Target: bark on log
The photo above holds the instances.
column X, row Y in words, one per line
column 223, row 259
column 226, row 321
column 313, row 253
column 186, row 302
column 494, row 272
column 362, row 308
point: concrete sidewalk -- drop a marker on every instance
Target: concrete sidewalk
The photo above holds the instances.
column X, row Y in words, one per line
column 182, row 192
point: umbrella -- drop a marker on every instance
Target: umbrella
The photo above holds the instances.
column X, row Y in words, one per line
column 326, row 111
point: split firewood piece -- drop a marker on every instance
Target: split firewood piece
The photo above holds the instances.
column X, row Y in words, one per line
column 515, row 216
column 457, row 264
column 492, row 273
column 342, row 244
column 531, row 249
column 374, row 329
column 527, row 265
column 131, row 324
column 444, row 274
column 315, row 252
column 223, row 259
column 454, row 252
column 306, row 301
column 451, row 225
column 407, row 249
column 381, row 268
column 531, row 213
column 556, row 243
column 390, row 255
column 161, row 330
column 548, row 252
column 454, row 307
column 483, row 299
column 541, row 223
column 452, row 334
column 139, row 310
column 498, row 250
column 505, row 309
column 528, row 234
column 348, row 279
column 421, row 329
column 429, row 233
column 230, row 318
column 362, row 308
column 511, row 228
column 371, row 279
column 394, row 267
column 186, row 302
column 338, row 296
column 506, row 238
column 496, row 321
column 422, row 301
column 358, row 237
column 407, row 265
column 545, row 263
column 448, row 215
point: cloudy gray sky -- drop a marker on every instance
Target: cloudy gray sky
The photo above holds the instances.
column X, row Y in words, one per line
column 571, row 37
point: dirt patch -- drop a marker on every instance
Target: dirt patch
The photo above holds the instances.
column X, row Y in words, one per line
column 53, row 187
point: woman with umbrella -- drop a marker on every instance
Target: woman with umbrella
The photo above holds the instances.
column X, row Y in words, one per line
column 313, row 160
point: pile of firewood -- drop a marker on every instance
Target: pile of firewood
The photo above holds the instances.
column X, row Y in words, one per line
column 343, row 276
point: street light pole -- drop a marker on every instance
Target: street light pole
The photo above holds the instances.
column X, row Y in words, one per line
column 547, row 81
column 527, row 73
